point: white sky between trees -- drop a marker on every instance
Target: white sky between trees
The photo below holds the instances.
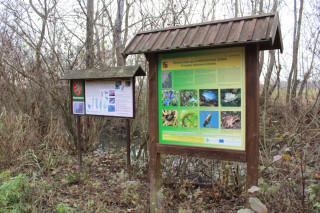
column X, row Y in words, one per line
column 224, row 10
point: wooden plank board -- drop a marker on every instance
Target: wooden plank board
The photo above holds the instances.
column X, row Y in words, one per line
column 203, row 34
column 173, row 35
column 259, row 30
column 271, row 22
column 274, row 28
column 202, row 152
column 238, row 31
column 213, row 35
column 251, row 29
column 243, row 31
column 193, row 34
column 180, row 39
column 265, row 28
column 155, row 173
column 212, row 22
column 134, row 43
column 153, row 40
column 225, row 34
column 252, row 113
column 144, row 42
column 163, row 37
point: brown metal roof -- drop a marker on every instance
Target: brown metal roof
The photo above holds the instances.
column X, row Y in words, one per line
column 104, row 73
column 263, row 29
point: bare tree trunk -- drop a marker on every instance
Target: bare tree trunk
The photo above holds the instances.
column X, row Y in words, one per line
column 86, row 121
column 117, row 41
column 89, row 40
column 117, row 31
column 99, row 44
column 126, row 24
column 277, row 82
column 103, row 57
column 261, row 7
column 214, row 3
column 293, row 75
column 261, row 62
column 99, row 56
column 261, row 58
column 254, row 6
column 236, row 8
column 44, row 16
column 265, row 93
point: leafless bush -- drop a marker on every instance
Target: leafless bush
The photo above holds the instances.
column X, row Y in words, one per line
column 20, row 133
column 289, row 154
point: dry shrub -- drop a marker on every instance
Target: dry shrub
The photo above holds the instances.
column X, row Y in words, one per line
column 20, row 134
column 289, row 155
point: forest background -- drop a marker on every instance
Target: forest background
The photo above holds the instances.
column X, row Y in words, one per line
column 42, row 39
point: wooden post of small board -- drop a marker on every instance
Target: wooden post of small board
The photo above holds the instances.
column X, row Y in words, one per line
column 79, row 143
column 128, row 142
column 252, row 114
column 155, row 172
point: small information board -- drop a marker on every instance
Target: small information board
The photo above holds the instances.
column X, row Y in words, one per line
column 104, row 91
column 77, row 87
column 202, row 98
column 109, row 98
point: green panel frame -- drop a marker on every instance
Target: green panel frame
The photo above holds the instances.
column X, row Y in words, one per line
column 201, row 74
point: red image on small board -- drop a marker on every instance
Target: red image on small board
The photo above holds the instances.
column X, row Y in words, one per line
column 77, row 87
column 165, row 65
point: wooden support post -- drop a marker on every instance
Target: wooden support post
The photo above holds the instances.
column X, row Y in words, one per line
column 155, row 172
column 79, row 143
column 128, row 142
column 252, row 114
column 155, row 182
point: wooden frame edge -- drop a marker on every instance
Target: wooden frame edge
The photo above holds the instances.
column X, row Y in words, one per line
column 202, row 152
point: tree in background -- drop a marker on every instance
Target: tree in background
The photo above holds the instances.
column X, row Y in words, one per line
column 293, row 80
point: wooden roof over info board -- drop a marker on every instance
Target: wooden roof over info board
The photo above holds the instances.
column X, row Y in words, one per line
column 104, row 73
column 261, row 29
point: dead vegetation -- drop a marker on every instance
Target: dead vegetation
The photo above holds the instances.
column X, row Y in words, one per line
column 289, row 171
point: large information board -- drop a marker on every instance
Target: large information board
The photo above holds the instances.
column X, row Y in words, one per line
column 202, row 98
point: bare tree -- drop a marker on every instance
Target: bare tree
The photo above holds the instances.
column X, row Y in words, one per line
column 119, row 34
column 293, row 75
column 268, row 89
column 310, row 68
column 89, row 38
column 44, row 16
column 214, row 3
column 261, row 56
column 236, row 8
